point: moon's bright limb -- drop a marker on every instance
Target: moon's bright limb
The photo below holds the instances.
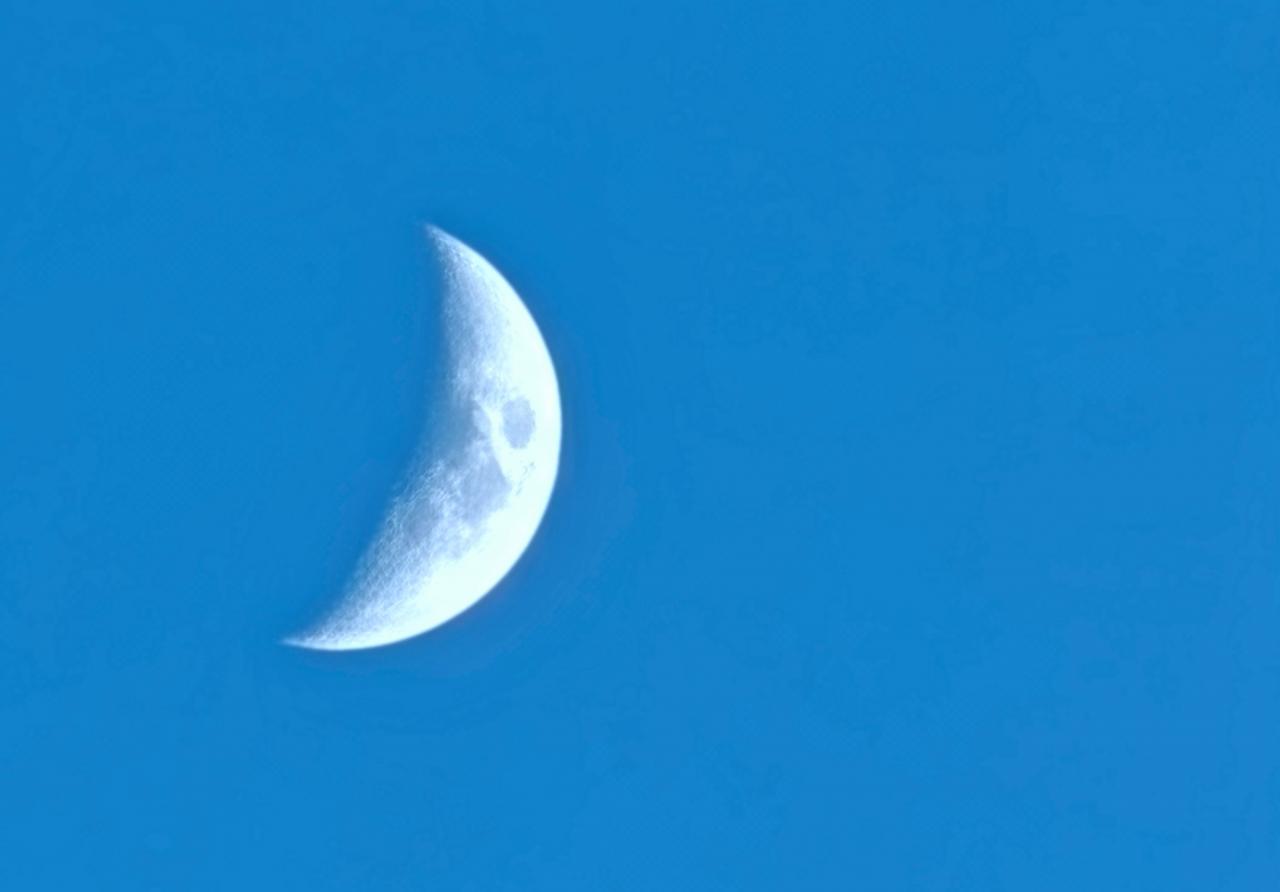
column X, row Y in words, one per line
column 477, row 491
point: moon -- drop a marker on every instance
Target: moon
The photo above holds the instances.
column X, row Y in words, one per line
column 480, row 483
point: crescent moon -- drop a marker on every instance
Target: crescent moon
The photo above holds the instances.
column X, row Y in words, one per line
column 480, row 484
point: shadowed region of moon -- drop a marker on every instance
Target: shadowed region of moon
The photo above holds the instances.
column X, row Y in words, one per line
column 476, row 493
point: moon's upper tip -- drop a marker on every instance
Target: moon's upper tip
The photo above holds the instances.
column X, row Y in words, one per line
column 437, row 235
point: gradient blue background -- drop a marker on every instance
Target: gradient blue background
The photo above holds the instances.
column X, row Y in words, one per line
column 917, row 525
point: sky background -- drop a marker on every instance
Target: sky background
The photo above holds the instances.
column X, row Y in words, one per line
column 917, row 523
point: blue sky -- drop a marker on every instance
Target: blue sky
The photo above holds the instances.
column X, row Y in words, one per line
column 917, row 519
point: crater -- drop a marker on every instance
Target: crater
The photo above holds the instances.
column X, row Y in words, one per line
column 517, row 422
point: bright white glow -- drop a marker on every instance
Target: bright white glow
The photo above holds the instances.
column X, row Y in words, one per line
column 476, row 494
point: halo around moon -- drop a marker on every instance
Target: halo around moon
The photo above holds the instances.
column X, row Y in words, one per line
column 477, row 490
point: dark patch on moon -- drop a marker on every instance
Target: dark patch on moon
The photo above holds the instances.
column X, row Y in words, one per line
column 517, row 422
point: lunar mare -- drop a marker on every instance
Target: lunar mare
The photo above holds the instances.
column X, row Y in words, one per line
column 480, row 484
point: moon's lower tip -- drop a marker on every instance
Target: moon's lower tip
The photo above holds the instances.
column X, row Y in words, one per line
column 302, row 642
column 320, row 644
column 309, row 645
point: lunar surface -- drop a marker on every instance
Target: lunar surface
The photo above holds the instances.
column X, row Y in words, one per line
column 478, row 489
